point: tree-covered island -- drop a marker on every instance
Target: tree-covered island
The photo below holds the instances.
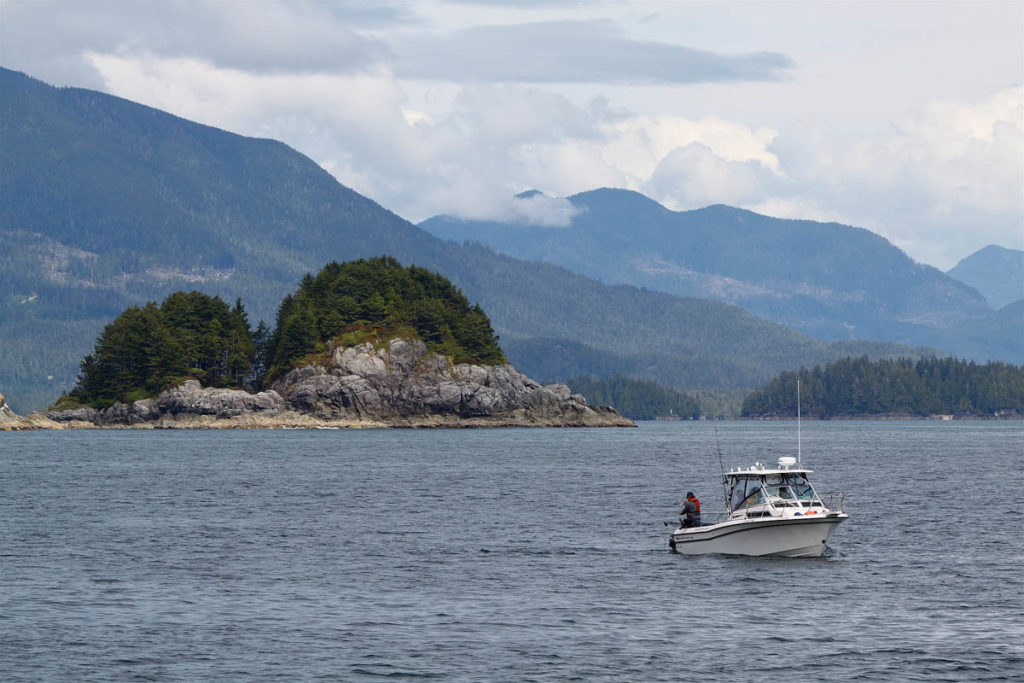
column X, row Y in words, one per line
column 364, row 343
column 374, row 298
column 191, row 335
column 858, row 387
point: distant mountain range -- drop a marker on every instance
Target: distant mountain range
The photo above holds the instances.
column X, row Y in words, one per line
column 996, row 272
column 828, row 280
column 108, row 203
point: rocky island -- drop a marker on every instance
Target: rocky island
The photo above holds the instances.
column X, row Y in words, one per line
column 397, row 384
column 368, row 343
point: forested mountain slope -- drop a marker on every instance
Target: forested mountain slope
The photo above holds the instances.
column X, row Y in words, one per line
column 825, row 279
column 107, row 203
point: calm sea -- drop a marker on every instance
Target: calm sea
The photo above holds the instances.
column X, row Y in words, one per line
column 502, row 555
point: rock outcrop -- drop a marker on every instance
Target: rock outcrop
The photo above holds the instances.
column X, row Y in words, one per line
column 402, row 381
column 189, row 402
column 397, row 384
column 9, row 421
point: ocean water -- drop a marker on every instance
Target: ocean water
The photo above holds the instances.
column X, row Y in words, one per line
column 502, row 555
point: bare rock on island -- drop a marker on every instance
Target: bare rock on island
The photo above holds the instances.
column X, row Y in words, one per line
column 9, row 421
column 401, row 381
column 398, row 383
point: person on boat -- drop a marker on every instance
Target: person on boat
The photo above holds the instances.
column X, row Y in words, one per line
column 691, row 511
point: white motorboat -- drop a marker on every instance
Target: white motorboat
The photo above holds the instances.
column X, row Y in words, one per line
column 771, row 511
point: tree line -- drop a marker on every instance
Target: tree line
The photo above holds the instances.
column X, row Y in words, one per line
column 380, row 295
column 193, row 335
column 636, row 399
column 852, row 387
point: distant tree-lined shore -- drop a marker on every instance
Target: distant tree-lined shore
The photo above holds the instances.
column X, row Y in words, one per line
column 859, row 387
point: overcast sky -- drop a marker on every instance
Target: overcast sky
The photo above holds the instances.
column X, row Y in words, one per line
column 904, row 118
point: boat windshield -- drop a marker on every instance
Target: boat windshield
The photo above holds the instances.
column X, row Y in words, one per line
column 789, row 486
column 746, row 492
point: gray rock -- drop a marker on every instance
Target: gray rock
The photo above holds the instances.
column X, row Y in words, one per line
column 6, row 414
column 402, row 379
column 398, row 383
column 78, row 414
column 191, row 398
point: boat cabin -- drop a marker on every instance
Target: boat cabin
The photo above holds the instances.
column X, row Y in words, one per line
column 764, row 491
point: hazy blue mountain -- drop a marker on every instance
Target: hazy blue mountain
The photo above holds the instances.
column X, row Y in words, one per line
column 828, row 280
column 996, row 272
column 108, row 203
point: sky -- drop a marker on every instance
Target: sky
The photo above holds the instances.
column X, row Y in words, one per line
column 904, row 118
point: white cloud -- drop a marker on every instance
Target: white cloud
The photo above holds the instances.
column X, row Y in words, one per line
column 694, row 176
column 510, row 114
column 969, row 154
column 49, row 37
column 536, row 209
column 571, row 51
column 942, row 181
column 945, row 180
column 650, row 150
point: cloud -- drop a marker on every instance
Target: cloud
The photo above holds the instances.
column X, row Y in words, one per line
column 271, row 36
column 503, row 113
column 639, row 144
column 943, row 181
column 535, row 209
column 570, row 51
column 694, row 176
column 527, row 4
column 49, row 37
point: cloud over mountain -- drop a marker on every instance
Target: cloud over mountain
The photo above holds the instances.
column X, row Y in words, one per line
column 445, row 107
column 596, row 51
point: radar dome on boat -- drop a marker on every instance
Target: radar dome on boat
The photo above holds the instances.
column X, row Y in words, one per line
column 787, row 461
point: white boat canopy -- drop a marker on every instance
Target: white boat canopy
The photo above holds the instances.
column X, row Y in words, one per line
column 784, row 486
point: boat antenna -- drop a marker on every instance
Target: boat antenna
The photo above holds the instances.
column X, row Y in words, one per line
column 718, row 449
column 799, row 439
column 721, row 466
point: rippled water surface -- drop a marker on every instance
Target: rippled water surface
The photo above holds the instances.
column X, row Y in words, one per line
column 501, row 555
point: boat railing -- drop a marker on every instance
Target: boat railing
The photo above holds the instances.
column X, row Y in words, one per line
column 835, row 501
column 832, row 501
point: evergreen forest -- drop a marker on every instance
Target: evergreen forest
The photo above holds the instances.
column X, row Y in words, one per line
column 148, row 348
column 192, row 335
column 636, row 399
column 380, row 297
column 855, row 387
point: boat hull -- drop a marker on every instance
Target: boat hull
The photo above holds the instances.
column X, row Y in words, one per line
column 775, row 537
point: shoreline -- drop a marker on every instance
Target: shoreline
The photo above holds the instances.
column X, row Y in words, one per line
column 292, row 420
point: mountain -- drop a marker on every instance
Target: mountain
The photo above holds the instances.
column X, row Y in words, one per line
column 996, row 272
column 828, row 280
column 108, row 203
